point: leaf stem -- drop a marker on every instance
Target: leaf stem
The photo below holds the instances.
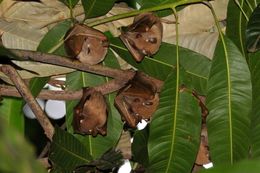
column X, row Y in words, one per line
column 249, row 5
column 133, row 13
column 242, row 10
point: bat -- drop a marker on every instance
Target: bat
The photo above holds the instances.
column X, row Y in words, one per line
column 90, row 115
column 86, row 44
column 138, row 100
column 144, row 36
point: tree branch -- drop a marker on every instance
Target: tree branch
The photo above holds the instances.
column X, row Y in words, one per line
column 66, row 62
column 28, row 97
column 106, row 88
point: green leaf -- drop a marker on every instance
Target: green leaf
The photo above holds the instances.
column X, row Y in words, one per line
column 174, row 130
column 229, row 102
column 52, row 42
column 251, row 166
column 11, row 111
column 254, row 63
column 96, row 146
column 95, row 8
column 108, row 161
column 153, row 3
column 236, row 21
column 161, row 64
column 16, row 154
column 139, row 146
column 70, row 3
column 67, row 152
column 253, row 31
column 5, row 53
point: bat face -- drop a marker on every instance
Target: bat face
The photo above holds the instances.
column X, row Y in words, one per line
column 138, row 100
column 86, row 44
column 90, row 115
column 144, row 36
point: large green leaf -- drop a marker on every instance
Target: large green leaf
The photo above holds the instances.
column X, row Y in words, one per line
column 236, row 21
column 96, row 146
column 95, row 8
column 251, row 166
column 160, row 65
column 254, row 63
column 229, row 100
column 16, row 154
column 174, row 130
column 67, row 152
column 253, row 31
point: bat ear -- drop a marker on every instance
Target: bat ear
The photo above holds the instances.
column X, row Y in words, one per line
column 138, row 100
column 86, row 44
column 90, row 115
column 144, row 36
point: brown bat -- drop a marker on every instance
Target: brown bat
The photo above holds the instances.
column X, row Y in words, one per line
column 144, row 36
column 86, row 44
column 90, row 115
column 138, row 100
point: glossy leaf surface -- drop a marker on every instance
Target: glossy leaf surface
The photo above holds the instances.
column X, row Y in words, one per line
column 67, row 152
column 229, row 102
column 174, row 130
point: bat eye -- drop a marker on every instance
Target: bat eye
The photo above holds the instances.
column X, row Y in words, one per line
column 138, row 35
column 104, row 43
column 148, row 103
column 153, row 40
column 137, row 100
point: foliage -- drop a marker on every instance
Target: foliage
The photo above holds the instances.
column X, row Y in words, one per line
column 170, row 142
column 14, row 149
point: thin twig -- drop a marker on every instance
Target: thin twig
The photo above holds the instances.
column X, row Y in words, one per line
column 66, row 62
column 45, row 150
column 45, row 162
column 28, row 97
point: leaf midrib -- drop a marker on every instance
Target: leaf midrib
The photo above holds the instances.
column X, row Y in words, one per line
column 70, row 152
column 229, row 98
column 240, row 30
column 90, row 9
